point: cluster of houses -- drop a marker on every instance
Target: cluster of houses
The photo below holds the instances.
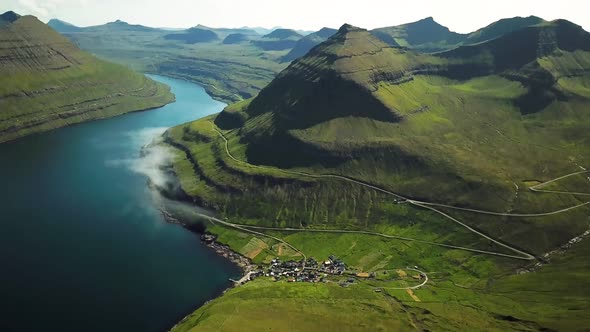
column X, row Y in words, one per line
column 308, row 270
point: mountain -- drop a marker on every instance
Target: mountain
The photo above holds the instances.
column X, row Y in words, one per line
column 115, row 26
column 224, row 32
column 283, row 34
column 259, row 30
column 193, row 36
column 47, row 82
column 8, row 17
column 236, row 38
column 473, row 120
column 279, row 39
column 502, row 27
column 120, row 25
column 63, row 27
column 306, row 43
column 546, row 57
column 425, row 34
column 470, row 162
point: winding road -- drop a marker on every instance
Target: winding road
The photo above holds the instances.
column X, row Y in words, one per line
column 519, row 254
column 535, row 188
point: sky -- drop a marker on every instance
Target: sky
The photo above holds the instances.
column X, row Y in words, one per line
column 459, row 15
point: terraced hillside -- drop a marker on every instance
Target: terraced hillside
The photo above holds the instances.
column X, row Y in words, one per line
column 469, row 127
column 389, row 158
column 46, row 82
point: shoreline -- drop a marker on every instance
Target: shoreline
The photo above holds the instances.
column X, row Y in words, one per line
column 218, row 248
column 210, row 240
column 6, row 138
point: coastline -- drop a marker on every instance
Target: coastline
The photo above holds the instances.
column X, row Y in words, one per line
column 210, row 240
column 12, row 134
column 220, row 249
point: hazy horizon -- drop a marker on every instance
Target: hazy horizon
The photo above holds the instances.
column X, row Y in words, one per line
column 303, row 14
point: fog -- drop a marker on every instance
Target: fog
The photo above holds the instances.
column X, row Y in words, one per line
column 154, row 161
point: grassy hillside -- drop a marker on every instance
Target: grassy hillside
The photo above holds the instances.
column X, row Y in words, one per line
column 389, row 158
column 536, row 301
column 425, row 34
column 502, row 27
column 46, row 82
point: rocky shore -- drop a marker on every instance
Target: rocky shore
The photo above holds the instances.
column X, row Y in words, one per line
column 210, row 241
column 225, row 251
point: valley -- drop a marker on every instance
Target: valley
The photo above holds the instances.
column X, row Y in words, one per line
column 404, row 163
column 398, row 178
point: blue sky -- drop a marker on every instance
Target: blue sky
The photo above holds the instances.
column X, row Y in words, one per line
column 458, row 15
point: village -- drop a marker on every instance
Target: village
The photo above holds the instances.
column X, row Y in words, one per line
column 304, row 270
column 308, row 270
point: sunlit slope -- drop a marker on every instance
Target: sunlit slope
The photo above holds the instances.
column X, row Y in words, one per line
column 468, row 128
column 47, row 82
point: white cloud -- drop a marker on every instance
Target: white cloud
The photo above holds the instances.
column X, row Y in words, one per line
column 32, row 6
column 153, row 157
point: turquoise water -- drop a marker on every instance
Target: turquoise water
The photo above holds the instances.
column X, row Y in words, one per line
column 82, row 247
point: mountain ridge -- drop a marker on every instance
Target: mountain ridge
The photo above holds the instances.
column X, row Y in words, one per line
column 358, row 107
column 47, row 82
column 382, row 155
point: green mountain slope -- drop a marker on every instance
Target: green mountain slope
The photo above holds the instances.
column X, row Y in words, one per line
column 502, row 27
column 389, row 158
column 46, row 82
column 426, row 35
column 477, row 122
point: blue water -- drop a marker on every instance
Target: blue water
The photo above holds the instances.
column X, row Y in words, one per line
column 82, row 247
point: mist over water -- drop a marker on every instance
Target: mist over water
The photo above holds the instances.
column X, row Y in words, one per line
column 152, row 159
column 83, row 245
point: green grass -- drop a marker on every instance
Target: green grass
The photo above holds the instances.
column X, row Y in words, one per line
column 263, row 305
column 411, row 124
column 464, row 292
column 40, row 92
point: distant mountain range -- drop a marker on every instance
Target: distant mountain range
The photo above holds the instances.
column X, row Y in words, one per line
column 47, row 82
column 425, row 35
